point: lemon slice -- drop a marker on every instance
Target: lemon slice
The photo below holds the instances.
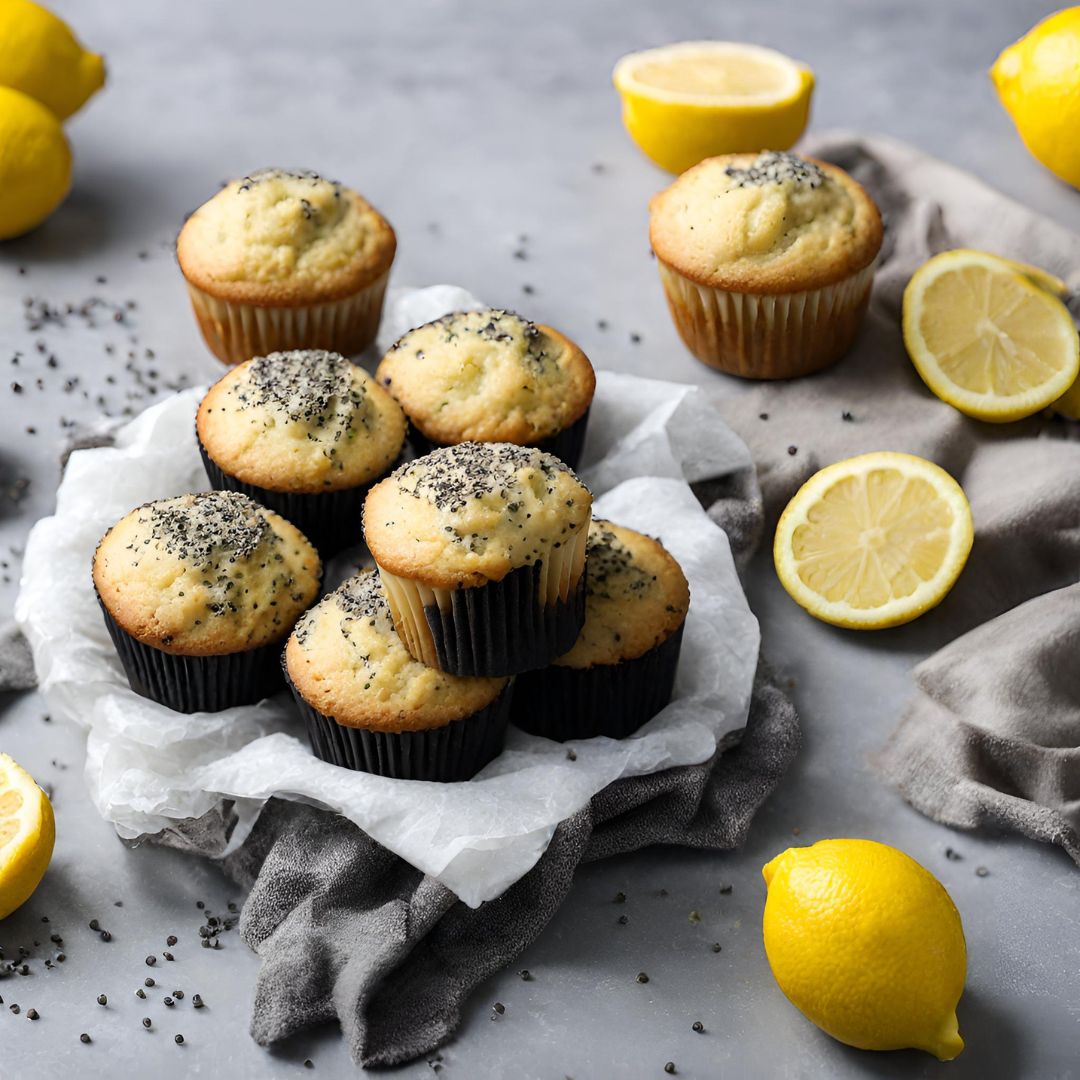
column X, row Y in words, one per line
column 987, row 338
column 683, row 103
column 27, row 832
column 873, row 541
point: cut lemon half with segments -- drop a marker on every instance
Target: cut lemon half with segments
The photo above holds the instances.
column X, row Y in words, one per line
column 27, row 833
column 988, row 336
column 686, row 102
column 873, row 541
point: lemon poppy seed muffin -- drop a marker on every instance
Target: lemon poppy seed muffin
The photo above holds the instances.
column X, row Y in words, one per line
column 370, row 706
column 621, row 670
column 481, row 550
column 198, row 593
column 491, row 376
column 286, row 259
column 305, row 433
column 766, row 260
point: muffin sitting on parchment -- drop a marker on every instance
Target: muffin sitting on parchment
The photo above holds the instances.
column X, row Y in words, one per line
column 481, row 550
column 286, row 260
column 491, row 376
column 305, row 433
column 767, row 261
column 370, row 706
column 621, row 670
column 199, row 592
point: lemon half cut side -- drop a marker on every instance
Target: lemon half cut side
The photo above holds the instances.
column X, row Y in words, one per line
column 874, row 541
column 988, row 336
column 685, row 102
column 27, row 834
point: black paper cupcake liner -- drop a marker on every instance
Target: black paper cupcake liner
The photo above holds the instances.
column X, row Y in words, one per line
column 456, row 751
column 567, row 445
column 331, row 520
column 564, row 703
column 190, row 684
column 504, row 627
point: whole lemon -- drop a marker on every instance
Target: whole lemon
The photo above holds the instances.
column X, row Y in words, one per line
column 1038, row 81
column 40, row 56
column 867, row 945
column 35, row 163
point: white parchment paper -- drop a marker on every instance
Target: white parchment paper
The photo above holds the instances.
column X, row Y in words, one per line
column 148, row 767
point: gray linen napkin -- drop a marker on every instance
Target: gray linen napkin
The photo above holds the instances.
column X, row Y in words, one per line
column 333, row 914
column 994, row 733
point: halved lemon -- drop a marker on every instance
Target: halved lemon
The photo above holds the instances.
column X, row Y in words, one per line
column 988, row 336
column 27, row 833
column 873, row 541
column 686, row 102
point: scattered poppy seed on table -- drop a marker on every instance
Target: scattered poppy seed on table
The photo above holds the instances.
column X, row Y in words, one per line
column 84, row 1038
column 623, row 920
column 846, row 416
column 178, row 994
column 715, row 946
column 694, row 917
column 102, row 999
column 308, row 1063
column 171, row 940
column 670, row 1068
column 642, row 977
column 725, row 889
column 525, row 974
column 151, row 961
column 146, row 1021
column 140, row 993
column 168, row 955
column 498, row 1008
column 197, row 1001
column 95, row 925
column 179, row 1040
column 15, row 1009
column 952, row 856
column 148, row 981
column 32, row 1014
column 105, row 936
column 167, row 1001
column 571, row 755
column 792, row 450
column 620, row 898
column 981, row 871
column 697, row 1026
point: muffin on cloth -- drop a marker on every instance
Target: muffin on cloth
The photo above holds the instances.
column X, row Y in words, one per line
column 481, row 550
column 767, row 261
column 305, row 433
column 621, row 670
column 370, row 706
column 199, row 592
column 491, row 376
column 286, row 260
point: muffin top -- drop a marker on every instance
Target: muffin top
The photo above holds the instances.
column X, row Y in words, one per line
column 489, row 376
column 205, row 574
column 301, row 421
column 469, row 514
column 281, row 237
column 636, row 597
column 766, row 223
column 346, row 661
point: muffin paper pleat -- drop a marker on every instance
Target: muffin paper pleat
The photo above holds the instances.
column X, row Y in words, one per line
column 767, row 337
column 331, row 520
column 504, row 627
column 235, row 332
column 567, row 445
column 455, row 751
column 564, row 703
column 191, row 684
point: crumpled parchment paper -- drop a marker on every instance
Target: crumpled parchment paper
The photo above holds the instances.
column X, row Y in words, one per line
column 147, row 766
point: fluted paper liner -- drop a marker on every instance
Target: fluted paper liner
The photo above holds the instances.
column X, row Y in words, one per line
column 606, row 699
column 236, row 332
column 767, row 337
column 524, row 621
column 455, row 751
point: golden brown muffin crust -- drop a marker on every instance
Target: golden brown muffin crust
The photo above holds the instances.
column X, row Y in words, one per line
column 767, row 223
column 348, row 663
column 205, row 574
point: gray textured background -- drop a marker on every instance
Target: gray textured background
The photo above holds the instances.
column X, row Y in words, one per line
column 470, row 125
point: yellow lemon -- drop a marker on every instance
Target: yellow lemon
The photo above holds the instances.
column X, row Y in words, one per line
column 27, row 832
column 866, row 944
column 35, row 163
column 873, row 541
column 683, row 103
column 988, row 337
column 1038, row 81
column 40, row 56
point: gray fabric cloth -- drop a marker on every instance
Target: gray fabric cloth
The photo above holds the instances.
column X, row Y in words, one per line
column 347, row 930
column 993, row 735
column 16, row 663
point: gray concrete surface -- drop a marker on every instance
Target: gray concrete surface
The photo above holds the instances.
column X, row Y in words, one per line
column 472, row 125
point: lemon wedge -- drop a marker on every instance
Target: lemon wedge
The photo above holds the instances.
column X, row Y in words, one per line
column 686, row 102
column 27, row 833
column 873, row 541
column 989, row 337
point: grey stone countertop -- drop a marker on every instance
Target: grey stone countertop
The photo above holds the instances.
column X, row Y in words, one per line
column 482, row 130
